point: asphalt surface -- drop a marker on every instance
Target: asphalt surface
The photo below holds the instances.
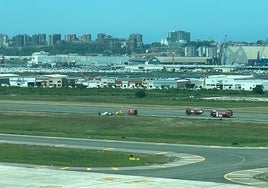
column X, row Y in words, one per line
column 194, row 163
column 40, row 177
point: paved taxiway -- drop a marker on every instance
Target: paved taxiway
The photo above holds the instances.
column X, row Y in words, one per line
column 40, row 177
column 194, row 163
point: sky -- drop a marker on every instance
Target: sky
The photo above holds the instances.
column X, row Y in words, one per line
column 239, row 20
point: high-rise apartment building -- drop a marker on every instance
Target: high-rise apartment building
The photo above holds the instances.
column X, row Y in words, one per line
column 3, row 40
column 177, row 36
column 39, row 39
column 27, row 40
column 85, row 38
column 54, row 39
column 18, row 40
column 70, row 37
column 101, row 37
column 135, row 41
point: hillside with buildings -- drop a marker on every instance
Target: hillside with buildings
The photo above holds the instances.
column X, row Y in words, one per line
column 52, row 61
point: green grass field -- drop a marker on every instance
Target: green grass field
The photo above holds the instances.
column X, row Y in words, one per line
column 55, row 156
column 152, row 129
column 172, row 97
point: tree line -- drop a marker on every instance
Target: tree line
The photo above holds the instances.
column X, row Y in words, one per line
column 65, row 48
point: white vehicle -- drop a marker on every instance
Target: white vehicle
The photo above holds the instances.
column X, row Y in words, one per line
column 105, row 113
column 195, row 111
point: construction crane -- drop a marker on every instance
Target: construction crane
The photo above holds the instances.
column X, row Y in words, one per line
column 259, row 54
column 222, row 55
column 223, row 51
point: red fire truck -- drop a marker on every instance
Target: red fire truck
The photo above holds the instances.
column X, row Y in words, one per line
column 221, row 113
column 132, row 112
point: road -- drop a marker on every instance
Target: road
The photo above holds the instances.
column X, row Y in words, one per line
column 199, row 163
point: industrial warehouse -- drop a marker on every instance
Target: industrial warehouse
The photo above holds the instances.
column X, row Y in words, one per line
column 220, row 82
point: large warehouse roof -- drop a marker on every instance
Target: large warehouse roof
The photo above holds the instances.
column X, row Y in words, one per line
column 183, row 60
column 251, row 51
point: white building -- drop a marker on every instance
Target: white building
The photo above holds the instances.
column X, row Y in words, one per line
column 148, row 83
column 38, row 57
column 44, row 57
column 231, row 82
column 165, row 83
column 22, row 81
column 107, row 82
column 93, row 83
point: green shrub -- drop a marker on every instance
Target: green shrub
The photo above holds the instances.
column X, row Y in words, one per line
column 140, row 93
column 258, row 89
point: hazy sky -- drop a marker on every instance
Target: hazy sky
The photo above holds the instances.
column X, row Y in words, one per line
column 240, row 20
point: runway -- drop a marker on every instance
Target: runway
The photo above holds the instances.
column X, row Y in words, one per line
column 93, row 109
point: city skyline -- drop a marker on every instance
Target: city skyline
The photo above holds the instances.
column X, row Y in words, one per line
column 240, row 20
